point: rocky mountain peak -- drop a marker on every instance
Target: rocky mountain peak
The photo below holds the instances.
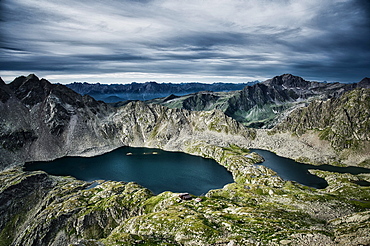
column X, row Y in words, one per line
column 364, row 83
column 29, row 82
column 30, row 90
column 170, row 97
column 32, row 77
column 288, row 80
column 19, row 81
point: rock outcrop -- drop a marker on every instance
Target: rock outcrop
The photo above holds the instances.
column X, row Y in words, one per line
column 38, row 209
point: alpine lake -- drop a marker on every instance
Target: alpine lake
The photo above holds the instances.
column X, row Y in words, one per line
column 155, row 169
column 160, row 170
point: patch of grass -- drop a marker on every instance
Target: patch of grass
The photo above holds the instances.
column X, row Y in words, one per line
column 10, row 229
column 236, row 149
column 303, row 159
column 360, row 204
column 150, row 204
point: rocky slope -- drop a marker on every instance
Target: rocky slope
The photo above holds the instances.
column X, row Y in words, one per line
column 260, row 105
column 41, row 121
column 342, row 123
column 314, row 122
column 38, row 209
column 44, row 121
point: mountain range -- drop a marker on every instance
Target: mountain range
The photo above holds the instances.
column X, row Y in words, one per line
column 262, row 104
column 145, row 91
column 154, row 87
column 317, row 123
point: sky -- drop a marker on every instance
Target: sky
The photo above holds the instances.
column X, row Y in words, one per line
column 121, row 41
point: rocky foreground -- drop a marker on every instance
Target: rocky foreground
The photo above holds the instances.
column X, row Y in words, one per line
column 41, row 121
column 258, row 209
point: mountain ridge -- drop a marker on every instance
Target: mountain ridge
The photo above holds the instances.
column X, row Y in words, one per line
column 261, row 104
column 153, row 87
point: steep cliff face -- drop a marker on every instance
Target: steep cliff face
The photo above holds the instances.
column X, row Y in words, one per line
column 4, row 92
column 260, row 103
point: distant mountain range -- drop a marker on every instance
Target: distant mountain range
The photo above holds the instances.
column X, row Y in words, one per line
column 144, row 91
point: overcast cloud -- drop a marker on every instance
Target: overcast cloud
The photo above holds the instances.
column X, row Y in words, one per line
column 184, row 40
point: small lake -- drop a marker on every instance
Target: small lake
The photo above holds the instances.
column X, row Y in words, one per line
column 289, row 169
column 154, row 169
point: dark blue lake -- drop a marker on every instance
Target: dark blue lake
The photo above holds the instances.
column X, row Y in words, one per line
column 154, row 169
column 289, row 169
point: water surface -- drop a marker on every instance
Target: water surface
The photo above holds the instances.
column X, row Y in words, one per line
column 154, row 169
column 289, row 169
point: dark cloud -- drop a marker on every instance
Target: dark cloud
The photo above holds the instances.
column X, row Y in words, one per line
column 214, row 41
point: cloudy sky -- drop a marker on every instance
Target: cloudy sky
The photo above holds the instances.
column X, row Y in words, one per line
column 184, row 40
